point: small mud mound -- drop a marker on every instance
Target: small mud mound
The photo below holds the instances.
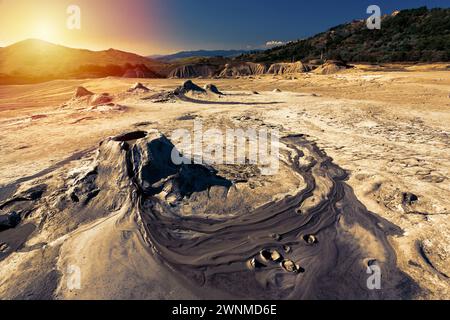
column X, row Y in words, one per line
column 212, row 88
column 86, row 101
column 183, row 92
column 189, row 87
column 138, row 88
column 332, row 66
column 81, row 92
column 162, row 97
column 100, row 99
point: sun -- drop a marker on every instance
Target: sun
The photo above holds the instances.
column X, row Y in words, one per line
column 44, row 31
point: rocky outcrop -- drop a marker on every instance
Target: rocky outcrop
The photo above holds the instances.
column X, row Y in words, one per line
column 332, row 66
column 193, row 71
column 287, row 68
column 242, row 69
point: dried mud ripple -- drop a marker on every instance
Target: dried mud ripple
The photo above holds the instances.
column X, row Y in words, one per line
column 324, row 260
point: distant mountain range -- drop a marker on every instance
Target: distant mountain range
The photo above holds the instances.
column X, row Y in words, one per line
column 36, row 61
column 416, row 35
column 201, row 54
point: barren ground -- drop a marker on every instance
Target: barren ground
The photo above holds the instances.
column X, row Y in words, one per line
column 389, row 130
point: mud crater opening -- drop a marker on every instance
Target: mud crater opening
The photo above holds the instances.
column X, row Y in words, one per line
column 130, row 136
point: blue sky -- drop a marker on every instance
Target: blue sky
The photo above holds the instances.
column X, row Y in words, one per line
column 165, row 26
column 240, row 24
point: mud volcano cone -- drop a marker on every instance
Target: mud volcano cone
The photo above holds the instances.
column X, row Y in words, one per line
column 81, row 92
column 189, row 87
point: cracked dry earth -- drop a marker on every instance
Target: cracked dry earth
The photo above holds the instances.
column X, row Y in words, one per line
column 363, row 181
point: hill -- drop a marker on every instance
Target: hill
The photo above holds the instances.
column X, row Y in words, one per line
column 33, row 60
column 416, row 35
column 200, row 54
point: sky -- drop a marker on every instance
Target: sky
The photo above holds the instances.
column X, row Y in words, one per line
column 166, row 26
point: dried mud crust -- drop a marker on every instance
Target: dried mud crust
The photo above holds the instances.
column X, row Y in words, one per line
column 319, row 238
column 393, row 147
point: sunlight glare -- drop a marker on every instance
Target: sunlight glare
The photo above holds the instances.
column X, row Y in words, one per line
column 44, row 31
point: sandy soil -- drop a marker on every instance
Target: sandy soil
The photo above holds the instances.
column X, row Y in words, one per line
column 387, row 130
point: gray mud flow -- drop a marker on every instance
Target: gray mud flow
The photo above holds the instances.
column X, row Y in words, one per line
column 315, row 244
column 274, row 251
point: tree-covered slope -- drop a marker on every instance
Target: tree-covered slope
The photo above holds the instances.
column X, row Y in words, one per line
column 410, row 35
